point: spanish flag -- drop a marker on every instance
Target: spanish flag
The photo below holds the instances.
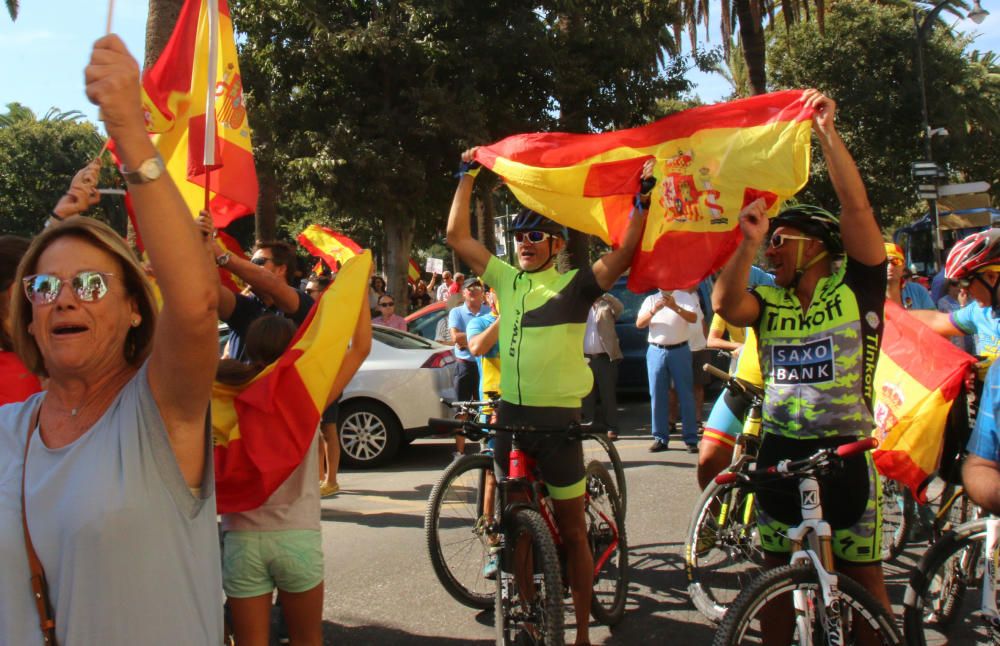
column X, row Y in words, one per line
column 710, row 162
column 196, row 75
column 326, row 244
column 412, row 272
column 263, row 429
column 919, row 374
column 229, row 244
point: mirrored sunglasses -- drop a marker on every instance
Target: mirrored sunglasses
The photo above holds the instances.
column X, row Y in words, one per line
column 88, row 286
column 778, row 239
column 534, row 237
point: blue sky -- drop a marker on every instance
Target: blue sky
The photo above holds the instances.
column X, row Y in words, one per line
column 44, row 52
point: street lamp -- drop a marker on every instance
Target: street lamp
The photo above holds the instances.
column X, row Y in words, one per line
column 922, row 28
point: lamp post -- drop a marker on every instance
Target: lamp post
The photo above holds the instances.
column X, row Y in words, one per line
column 922, row 29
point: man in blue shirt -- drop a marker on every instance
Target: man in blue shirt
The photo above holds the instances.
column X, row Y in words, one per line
column 466, row 372
column 975, row 262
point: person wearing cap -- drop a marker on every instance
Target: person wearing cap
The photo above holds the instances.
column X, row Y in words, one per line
column 466, row 371
column 545, row 375
column 819, row 332
column 899, row 286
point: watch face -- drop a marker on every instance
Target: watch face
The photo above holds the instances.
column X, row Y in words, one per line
column 151, row 169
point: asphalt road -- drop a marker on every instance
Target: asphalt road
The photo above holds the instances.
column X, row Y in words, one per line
column 380, row 588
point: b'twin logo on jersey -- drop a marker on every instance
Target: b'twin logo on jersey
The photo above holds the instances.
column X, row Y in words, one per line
column 515, row 332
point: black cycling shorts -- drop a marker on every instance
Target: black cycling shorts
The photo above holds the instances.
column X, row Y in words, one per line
column 559, row 459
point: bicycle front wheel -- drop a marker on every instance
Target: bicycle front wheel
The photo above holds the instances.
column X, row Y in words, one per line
column 529, row 612
column 945, row 591
column 897, row 508
column 861, row 615
column 721, row 553
column 606, row 535
column 455, row 525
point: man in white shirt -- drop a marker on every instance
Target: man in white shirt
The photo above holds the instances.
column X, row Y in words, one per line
column 669, row 315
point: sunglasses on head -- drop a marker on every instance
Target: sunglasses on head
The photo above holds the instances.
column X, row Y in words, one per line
column 534, row 237
column 260, row 261
column 778, row 239
column 88, row 286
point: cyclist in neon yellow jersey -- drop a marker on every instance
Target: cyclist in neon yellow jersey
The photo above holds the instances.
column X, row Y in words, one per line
column 545, row 375
column 818, row 334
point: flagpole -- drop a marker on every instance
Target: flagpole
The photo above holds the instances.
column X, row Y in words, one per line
column 208, row 159
column 111, row 11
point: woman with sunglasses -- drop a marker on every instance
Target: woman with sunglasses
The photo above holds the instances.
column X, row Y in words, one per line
column 114, row 457
column 818, row 333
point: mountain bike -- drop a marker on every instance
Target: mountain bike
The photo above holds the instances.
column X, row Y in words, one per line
column 523, row 520
column 952, row 595
column 720, row 552
column 827, row 607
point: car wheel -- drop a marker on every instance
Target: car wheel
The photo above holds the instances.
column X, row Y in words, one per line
column 369, row 434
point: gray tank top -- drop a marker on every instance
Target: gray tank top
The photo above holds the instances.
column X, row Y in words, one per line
column 131, row 556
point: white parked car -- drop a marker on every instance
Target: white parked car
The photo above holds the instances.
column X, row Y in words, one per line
column 397, row 388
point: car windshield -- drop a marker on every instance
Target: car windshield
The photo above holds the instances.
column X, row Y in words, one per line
column 397, row 339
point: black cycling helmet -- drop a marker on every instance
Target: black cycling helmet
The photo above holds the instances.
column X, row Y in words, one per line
column 813, row 221
column 528, row 220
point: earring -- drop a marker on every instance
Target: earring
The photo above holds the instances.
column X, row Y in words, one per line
column 135, row 322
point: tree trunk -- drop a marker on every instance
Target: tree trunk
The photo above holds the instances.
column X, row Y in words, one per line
column 159, row 26
column 267, row 204
column 485, row 214
column 398, row 240
column 752, row 39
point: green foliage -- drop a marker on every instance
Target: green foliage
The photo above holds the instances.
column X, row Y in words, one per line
column 12, row 8
column 38, row 159
column 361, row 108
column 866, row 62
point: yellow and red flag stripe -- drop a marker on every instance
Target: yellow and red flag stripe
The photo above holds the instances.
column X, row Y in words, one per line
column 177, row 91
column 332, row 247
column 263, row 429
column 412, row 272
column 710, row 162
column 919, row 374
column 230, row 281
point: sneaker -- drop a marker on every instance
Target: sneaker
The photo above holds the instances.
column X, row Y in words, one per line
column 657, row 446
column 490, row 569
column 326, row 490
column 692, row 448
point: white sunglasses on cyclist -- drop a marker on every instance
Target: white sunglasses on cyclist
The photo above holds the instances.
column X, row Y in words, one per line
column 534, row 237
column 778, row 239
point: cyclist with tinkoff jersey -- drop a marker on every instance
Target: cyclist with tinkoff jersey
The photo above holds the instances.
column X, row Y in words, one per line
column 545, row 375
column 818, row 337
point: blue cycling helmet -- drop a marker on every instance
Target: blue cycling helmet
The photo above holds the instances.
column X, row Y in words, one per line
column 813, row 221
column 528, row 220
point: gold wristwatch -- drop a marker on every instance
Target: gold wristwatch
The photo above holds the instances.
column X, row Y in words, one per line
column 148, row 171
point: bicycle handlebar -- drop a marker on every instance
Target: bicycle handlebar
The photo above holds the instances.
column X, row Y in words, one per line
column 737, row 386
column 788, row 468
column 440, row 425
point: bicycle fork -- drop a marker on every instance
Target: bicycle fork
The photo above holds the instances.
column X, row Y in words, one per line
column 818, row 532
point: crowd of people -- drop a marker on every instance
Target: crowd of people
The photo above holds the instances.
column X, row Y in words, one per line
column 108, row 446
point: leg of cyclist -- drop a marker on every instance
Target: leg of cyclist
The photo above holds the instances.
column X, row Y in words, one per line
column 870, row 577
column 777, row 615
column 724, row 425
column 579, row 560
column 713, row 457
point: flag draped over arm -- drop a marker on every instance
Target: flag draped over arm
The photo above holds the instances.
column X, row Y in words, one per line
column 263, row 429
column 197, row 74
column 710, row 162
column 325, row 243
column 918, row 376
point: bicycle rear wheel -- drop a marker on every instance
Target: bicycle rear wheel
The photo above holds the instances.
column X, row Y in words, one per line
column 859, row 610
column 533, row 615
column 721, row 553
column 455, row 526
column 945, row 591
column 606, row 535
column 617, row 468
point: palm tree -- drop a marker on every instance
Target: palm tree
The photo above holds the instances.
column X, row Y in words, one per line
column 12, row 7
